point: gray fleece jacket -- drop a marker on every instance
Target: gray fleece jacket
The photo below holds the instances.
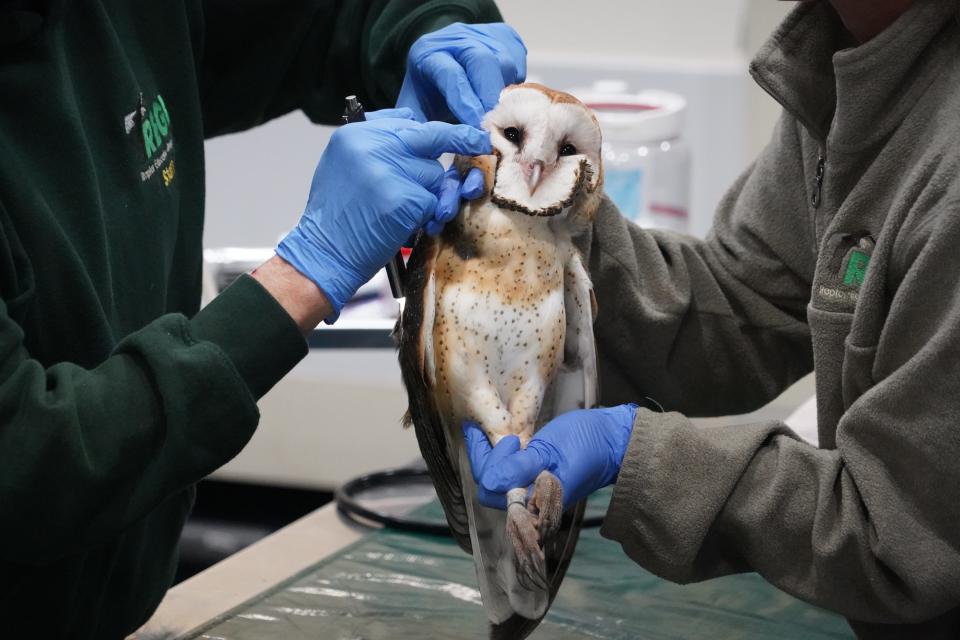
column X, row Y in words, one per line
column 838, row 250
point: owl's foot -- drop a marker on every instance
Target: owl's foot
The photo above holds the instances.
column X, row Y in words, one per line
column 522, row 532
column 547, row 504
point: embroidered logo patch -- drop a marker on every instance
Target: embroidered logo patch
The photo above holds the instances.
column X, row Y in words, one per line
column 156, row 127
column 152, row 123
column 856, row 270
column 842, row 270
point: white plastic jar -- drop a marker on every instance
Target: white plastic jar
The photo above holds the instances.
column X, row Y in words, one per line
column 646, row 162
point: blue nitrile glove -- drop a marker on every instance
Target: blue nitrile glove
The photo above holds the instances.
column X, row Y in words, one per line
column 451, row 192
column 584, row 449
column 376, row 184
column 461, row 69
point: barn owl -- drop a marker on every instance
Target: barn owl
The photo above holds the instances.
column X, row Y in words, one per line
column 497, row 329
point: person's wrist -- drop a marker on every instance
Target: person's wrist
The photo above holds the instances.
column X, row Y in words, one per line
column 629, row 416
column 620, row 420
column 311, row 254
column 299, row 296
column 625, row 429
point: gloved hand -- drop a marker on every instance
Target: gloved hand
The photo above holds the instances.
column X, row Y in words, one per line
column 584, row 449
column 452, row 190
column 461, row 69
column 376, row 184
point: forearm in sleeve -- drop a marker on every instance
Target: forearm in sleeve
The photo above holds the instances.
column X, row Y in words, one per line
column 86, row 452
column 715, row 326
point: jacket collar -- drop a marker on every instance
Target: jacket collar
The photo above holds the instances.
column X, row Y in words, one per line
column 850, row 97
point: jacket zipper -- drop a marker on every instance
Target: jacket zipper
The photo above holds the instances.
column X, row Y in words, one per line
column 817, row 196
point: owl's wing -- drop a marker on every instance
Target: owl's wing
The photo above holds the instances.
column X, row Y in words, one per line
column 575, row 386
column 415, row 338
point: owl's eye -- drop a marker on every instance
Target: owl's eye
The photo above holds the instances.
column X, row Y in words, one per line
column 513, row 135
column 567, row 149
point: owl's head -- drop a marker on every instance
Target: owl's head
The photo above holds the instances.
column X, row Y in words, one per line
column 547, row 145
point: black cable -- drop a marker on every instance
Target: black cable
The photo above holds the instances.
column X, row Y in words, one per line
column 351, row 508
column 347, row 504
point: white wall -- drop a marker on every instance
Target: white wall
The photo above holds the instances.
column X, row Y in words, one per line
column 687, row 29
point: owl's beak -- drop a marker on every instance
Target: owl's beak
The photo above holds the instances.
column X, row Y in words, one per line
column 533, row 180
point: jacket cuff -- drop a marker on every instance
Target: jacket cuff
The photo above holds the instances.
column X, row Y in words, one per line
column 258, row 336
column 674, row 481
column 629, row 491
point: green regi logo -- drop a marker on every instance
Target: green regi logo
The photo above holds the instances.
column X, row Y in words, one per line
column 156, row 126
column 856, row 268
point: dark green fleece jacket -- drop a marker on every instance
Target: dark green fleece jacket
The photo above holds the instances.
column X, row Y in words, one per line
column 838, row 250
column 115, row 394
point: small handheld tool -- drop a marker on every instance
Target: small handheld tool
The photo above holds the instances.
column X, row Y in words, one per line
column 396, row 268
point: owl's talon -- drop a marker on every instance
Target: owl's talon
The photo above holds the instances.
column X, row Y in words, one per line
column 547, row 504
column 530, row 559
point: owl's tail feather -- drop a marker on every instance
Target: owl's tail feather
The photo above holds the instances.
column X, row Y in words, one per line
column 559, row 551
column 515, row 609
column 515, row 628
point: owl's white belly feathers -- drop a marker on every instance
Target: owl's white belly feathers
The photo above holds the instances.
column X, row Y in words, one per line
column 500, row 323
column 503, row 348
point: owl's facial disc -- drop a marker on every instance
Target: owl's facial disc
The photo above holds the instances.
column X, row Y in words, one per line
column 538, row 191
column 548, row 150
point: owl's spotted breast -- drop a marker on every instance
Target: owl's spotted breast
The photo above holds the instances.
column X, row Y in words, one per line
column 500, row 320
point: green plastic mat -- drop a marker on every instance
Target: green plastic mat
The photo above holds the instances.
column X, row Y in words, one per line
column 395, row 586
